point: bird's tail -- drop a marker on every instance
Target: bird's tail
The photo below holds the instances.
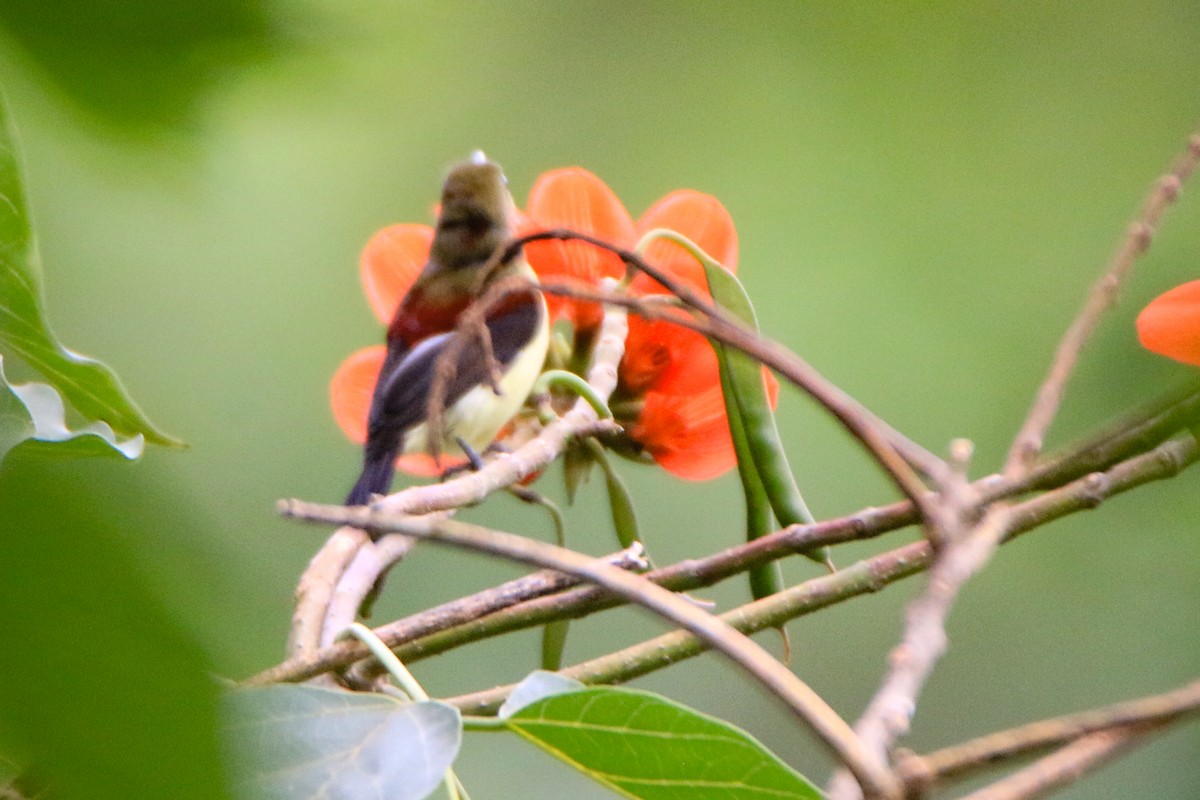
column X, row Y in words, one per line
column 376, row 478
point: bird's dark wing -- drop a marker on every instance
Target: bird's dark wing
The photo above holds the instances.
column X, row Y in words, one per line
column 402, row 392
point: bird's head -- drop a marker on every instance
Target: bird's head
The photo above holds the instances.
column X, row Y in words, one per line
column 477, row 214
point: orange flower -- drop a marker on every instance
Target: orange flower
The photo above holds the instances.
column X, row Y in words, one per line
column 576, row 199
column 671, row 371
column 1170, row 324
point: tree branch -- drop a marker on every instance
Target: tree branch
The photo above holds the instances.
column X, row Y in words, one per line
column 807, row 705
column 986, row 751
column 892, row 451
column 1064, row 767
column 867, row 576
column 1145, row 427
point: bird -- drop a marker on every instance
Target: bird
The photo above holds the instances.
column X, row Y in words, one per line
column 477, row 217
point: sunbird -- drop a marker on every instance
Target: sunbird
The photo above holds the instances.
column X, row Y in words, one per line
column 477, row 218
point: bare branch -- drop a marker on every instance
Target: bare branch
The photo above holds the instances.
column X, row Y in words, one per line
column 877, row 781
column 1028, row 442
column 890, row 449
column 315, row 590
column 986, row 751
column 1086, row 492
column 1063, row 767
column 344, row 652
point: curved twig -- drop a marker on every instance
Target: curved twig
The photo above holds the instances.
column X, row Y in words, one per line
column 893, row 452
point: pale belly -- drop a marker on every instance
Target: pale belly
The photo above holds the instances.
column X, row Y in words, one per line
column 480, row 413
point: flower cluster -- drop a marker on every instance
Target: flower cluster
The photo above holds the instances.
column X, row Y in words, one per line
column 669, row 385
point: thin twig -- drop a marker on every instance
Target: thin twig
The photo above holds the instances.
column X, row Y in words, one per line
column 969, row 757
column 869, row 575
column 807, row 705
column 1028, row 442
column 437, row 634
column 361, row 577
column 455, row 612
column 1065, row 766
column 966, row 545
column 862, row 424
column 316, row 587
column 891, row 450
column 643, row 658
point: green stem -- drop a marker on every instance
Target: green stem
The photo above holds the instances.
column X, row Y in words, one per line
column 388, row 659
column 565, row 379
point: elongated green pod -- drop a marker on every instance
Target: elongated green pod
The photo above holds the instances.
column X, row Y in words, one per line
column 746, row 398
column 766, row 579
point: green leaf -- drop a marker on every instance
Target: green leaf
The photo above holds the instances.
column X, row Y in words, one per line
column 642, row 745
column 537, row 685
column 300, row 742
column 16, row 423
column 35, row 412
column 88, row 385
column 620, row 502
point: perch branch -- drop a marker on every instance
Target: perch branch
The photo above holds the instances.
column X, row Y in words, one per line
column 1146, row 427
column 456, row 612
column 807, row 705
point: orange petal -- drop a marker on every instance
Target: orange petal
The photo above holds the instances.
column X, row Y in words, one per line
column 686, row 429
column 772, row 385
column 699, row 217
column 658, row 352
column 351, row 388
column 687, row 435
column 390, row 262
column 1170, row 324
column 576, row 199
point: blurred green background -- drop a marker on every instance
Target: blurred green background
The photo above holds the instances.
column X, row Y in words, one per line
column 923, row 192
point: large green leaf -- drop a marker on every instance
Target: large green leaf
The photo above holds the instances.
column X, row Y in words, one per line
column 297, row 742
column 645, row 746
column 88, row 385
column 34, row 412
column 140, row 63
